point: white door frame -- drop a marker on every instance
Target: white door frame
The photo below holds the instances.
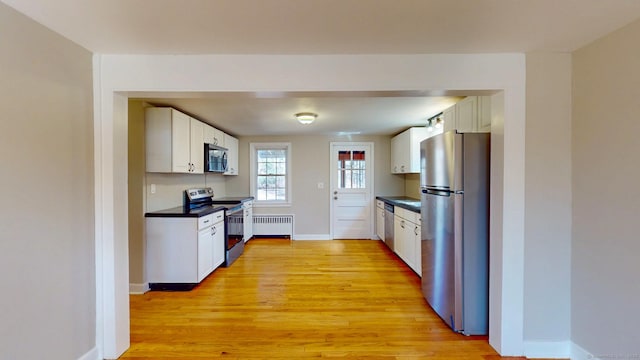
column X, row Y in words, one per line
column 118, row 76
column 332, row 183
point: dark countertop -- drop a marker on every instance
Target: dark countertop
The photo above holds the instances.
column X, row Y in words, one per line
column 218, row 204
column 231, row 200
column 404, row 202
column 181, row 211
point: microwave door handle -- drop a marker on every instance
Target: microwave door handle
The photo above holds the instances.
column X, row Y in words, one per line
column 224, row 161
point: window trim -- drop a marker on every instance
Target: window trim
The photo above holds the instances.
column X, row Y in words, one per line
column 253, row 148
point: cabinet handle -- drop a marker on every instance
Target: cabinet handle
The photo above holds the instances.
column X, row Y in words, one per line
column 415, row 231
column 402, row 224
column 213, row 230
column 206, row 221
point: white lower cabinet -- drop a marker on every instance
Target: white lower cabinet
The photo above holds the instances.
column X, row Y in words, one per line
column 407, row 234
column 248, row 220
column 380, row 219
column 184, row 249
column 205, row 253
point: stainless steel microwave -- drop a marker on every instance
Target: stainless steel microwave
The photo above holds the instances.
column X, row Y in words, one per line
column 215, row 158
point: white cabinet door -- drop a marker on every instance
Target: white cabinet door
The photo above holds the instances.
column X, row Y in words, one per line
column 217, row 245
column 484, row 114
column 380, row 222
column 180, row 142
column 409, row 244
column 407, row 234
column 231, row 144
column 174, row 142
column 449, row 118
column 248, row 220
column 467, row 114
column 205, row 253
column 196, row 146
column 213, row 135
column 471, row 114
column 397, row 154
column 405, row 150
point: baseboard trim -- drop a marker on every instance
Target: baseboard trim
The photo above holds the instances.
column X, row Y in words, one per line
column 312, row 237
column 556, row 350
column 138, row 289
column 93, row 354
column 578, row 353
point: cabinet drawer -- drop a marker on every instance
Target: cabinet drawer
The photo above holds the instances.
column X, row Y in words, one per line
column 400, row 212
column 210, row 219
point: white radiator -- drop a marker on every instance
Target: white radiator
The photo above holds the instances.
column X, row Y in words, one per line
column 274, row 225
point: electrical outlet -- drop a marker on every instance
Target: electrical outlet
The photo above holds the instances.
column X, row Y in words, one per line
column 153, row 188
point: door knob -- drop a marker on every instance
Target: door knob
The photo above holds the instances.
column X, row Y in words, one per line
column 335, row 198
column 335, row 192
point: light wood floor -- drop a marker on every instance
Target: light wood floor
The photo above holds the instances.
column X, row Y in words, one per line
column 300, row 299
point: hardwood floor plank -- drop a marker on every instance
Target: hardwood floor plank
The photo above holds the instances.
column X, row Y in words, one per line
column 282, row 299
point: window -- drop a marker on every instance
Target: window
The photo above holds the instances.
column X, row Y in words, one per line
column 271, row 173
column 351, row 169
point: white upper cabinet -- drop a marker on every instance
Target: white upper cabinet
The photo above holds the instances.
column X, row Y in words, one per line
column 196, row 146
column 471, row 114
column 484, row 113
column 173, row 141
column 405, row 150
column 213, row 135
column 231, row 144
column 449, row 118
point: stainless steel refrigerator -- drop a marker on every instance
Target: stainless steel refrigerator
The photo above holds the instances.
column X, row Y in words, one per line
column 454, row 181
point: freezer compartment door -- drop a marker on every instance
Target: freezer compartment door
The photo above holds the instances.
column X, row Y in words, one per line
column 441, row 161
column 442, row 255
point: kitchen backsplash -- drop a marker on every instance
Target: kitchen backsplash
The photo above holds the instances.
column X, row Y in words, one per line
column 169, row 188
column 412, row 185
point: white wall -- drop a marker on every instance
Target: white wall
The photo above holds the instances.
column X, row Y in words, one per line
column 606, row 197
column 48, row 304
column 547, row 261
column 310, row 165
column 115, row 73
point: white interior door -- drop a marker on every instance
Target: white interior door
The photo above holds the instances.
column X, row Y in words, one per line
column 351, row 190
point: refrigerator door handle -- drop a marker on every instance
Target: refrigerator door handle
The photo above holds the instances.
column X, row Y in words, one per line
column 436, row 192
column 458, row 261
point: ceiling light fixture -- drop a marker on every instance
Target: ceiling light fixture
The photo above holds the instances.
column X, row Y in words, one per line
column 435, row 122
column 306, row 118
column 439, row 123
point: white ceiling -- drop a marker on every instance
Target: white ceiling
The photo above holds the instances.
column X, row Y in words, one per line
column 341, row 113
column 325, row 27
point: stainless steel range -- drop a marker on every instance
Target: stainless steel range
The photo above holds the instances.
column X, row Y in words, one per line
column 234, row 220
